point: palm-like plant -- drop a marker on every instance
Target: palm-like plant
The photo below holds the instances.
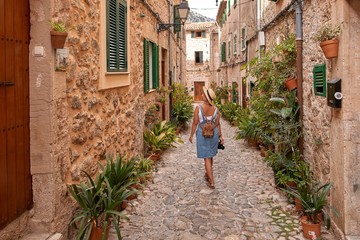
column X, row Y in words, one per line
column 98, row 201
column 161, row 137
column 314, row 201
column 120, row 172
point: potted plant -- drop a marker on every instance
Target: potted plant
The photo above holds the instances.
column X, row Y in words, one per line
column 327, row 35
column 159, row 138
column 58, row 33
column 98, row 201
column 314, row 201
column 182, row 109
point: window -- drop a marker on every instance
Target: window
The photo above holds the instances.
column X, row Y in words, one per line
column 151, row 66
column 114, row 54
column 235, row 41
column 223, row 52
column 198, row 34
column 229, row 48
column 198, row 57
column 116, row 36
column 319, row 74
column 243, row 39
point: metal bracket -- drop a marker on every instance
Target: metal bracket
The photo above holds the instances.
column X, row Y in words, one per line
column 6, row 84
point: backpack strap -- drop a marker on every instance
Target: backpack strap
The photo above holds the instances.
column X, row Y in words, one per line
column 202, row 113
column 215, row 114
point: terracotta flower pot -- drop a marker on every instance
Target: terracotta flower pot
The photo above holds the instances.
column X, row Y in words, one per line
column 58, row 39
column 330, row 48
column 96, row 233
column 291, row 83
column 298, row 205
column 310, row 229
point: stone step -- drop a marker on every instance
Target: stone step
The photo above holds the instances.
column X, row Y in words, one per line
column 43, row 236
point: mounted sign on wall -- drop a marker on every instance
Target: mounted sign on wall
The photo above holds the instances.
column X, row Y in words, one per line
column 61, row 62
column 334, row 95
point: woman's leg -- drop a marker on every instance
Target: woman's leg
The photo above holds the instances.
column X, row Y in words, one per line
column 206, row 175
column 209, row 171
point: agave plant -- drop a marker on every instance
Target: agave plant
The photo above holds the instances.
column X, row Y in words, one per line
column 98, row 205
column 314, row 201
column 120, row 172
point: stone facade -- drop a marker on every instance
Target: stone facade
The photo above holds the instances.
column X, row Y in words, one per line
column 331, row 142
column 75, row 120
column 238, row 25
column 198, row 39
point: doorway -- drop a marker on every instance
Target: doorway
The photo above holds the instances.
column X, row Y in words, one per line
column 198, row 90
column 15, row 177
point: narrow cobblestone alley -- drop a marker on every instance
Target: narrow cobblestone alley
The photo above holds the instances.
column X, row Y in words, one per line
column 244, row 205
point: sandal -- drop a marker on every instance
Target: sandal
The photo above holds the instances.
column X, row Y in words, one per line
column 212, row 186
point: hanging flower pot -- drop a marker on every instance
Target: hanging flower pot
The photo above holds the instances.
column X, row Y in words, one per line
column 291, row 83
column 58, row 39
column 330, row 48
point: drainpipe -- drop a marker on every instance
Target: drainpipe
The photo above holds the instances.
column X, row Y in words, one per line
column 299, row 65
column 258, row 8
column 170, row 62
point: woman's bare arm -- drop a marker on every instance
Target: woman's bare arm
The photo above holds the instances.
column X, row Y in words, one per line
column 194, row 123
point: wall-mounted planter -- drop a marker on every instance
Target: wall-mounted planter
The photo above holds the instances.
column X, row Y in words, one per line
column 58, row 39
column 330, row 48
column 290, row 83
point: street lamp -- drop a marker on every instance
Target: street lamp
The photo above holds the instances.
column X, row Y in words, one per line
column 183, row 12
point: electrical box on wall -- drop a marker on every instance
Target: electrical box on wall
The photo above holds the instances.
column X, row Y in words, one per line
column 334, row 95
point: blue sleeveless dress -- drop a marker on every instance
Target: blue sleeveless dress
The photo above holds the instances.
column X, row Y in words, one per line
column 206, row 147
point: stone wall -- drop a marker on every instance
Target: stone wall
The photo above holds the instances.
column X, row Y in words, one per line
column 74, row 124
column 331, row 143
column 198, row 72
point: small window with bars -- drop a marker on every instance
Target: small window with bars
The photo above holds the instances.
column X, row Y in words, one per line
column 319, row 75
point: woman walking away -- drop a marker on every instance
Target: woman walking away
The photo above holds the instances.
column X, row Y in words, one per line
column 206, row 123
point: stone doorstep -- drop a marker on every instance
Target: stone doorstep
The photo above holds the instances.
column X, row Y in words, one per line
column 43, row 236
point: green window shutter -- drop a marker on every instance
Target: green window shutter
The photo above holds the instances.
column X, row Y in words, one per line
column 155, row 64
column 235, row 41
column 233, row 93
column 319, row 75
column 243, row 39
column 177, row 22
column 116, row 36
column 203, row 33
column 146, row 65
column 192, row 34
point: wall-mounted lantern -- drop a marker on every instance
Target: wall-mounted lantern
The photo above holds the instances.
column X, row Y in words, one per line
column 182, row 11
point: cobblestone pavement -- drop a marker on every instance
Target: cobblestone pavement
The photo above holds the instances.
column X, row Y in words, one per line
column 245, row 204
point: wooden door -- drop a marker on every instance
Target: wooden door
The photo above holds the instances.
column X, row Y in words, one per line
column 15, row 178
column 198, row 90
